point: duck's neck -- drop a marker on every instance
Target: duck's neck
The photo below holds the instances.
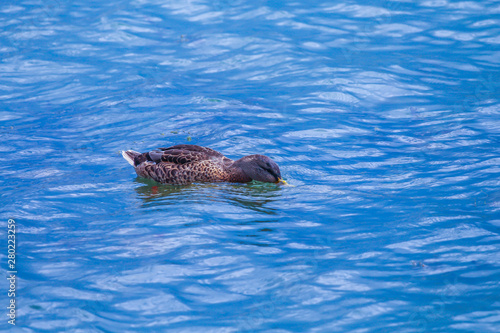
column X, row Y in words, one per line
column 236, row 173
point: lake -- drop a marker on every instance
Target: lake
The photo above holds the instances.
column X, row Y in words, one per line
column 384, row 116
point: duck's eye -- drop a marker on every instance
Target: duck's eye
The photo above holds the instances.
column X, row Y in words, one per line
column 271, row 172
column 268, row 169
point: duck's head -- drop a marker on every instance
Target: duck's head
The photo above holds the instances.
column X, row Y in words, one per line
column 260, row 168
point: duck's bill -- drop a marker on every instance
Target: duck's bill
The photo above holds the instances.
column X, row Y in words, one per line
column 281, row 181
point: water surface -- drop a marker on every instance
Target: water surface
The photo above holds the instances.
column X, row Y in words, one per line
column 384, row 115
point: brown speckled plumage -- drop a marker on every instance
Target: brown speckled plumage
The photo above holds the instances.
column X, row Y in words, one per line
column 184, row 164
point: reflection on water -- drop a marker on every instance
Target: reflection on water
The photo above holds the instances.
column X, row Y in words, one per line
column 254, row 196
column 383, row 114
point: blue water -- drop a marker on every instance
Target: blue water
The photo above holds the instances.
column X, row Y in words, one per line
column 384, row 115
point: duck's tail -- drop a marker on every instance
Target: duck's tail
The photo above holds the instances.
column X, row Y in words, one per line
column 130, row 156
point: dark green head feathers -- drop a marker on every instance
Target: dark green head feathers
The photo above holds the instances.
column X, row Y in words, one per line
column 184, row 164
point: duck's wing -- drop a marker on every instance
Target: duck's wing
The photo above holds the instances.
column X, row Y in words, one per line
column 183, row 154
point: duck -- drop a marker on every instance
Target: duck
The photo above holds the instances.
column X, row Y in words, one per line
column 186, row 164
